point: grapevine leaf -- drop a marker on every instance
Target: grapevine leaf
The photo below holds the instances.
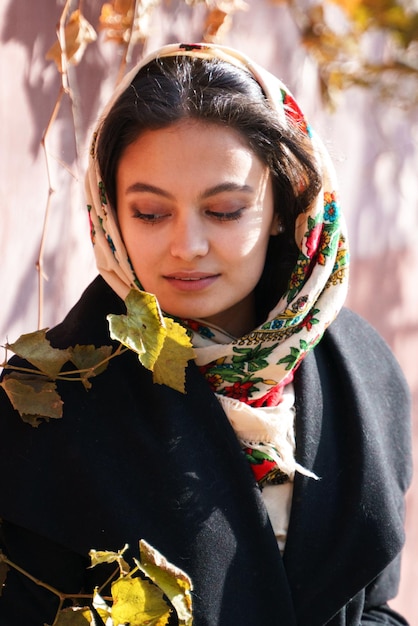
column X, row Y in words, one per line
column 176, row 352
column 74, row 616
column 142, row 329
column 78, row 34
column 106, row 556
column 101, row 609
column 89, row 357
column 137, row 601
column 35, row 348
column 90, row 360
column 173, row 581
column 32, row 396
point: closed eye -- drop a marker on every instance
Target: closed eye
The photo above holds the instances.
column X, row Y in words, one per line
column 226, row 216
column 150, row 218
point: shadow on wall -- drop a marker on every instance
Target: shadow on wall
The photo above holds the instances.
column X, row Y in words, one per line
column 36, row 34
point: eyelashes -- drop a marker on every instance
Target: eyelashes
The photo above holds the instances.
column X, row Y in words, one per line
column 220, row 216
column 226, row 216
column 148, row 218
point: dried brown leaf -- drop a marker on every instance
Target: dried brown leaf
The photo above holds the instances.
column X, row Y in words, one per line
column 78, row 34
column 116, row 19
column 33, row 397
column 219, row 18
column 35, row 348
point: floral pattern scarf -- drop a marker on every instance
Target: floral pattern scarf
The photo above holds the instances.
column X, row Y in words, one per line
column 249, row 374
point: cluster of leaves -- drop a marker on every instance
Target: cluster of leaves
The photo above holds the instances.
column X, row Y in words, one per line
column 161, row 344
column 367, row 43
column 127, row 23
column 145, row 594
column 353, row 42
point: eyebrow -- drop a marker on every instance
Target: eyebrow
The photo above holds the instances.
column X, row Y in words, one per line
column 139, row 187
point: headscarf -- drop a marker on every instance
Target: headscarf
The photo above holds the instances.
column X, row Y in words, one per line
column 249, row 373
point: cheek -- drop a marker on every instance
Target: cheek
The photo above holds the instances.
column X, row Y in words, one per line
column 251, row 244
column 137, row 243
column 138, row 252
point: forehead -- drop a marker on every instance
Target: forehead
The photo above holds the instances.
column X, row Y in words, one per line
column 189, row 146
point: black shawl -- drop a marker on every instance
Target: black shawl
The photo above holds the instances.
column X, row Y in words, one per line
column 131, row 459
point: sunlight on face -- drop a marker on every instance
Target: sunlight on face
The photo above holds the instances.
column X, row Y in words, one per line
column 195, row 208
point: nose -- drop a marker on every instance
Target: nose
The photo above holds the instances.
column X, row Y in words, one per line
column 189, row 238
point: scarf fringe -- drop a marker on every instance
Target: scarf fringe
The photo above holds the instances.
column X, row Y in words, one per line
column 286, row 462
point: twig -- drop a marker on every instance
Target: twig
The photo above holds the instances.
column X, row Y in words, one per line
column 68, row 375
column 64, row 90
column 61, row 595
column 126, row 56
column 39, row 263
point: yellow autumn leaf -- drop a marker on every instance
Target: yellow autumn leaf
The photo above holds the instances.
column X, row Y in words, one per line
column 170, row 367
column 78, row 34
column 142, row 329
column 137, row 602
column 162, row 345
column 106, row 556
column 81, row 616
column 349, row 6
column 74, row 616
column 173, row 581
column 116, row 19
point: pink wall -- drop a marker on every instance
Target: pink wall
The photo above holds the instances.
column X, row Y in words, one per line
column 374, row 146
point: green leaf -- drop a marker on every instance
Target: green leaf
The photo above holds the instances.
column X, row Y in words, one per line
column 174, row 582
column 137, row 602
column 142, row 329
column 90, row 360
column 32, row 396
column 255, row 366
column 291, row 358
column 227, row 373
column 170, row 367
column 89, row 357
column 35, row 348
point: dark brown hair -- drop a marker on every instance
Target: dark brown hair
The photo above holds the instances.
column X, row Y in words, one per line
column 174, row 88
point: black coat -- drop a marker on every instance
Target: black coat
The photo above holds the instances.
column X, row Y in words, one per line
column 131, row 459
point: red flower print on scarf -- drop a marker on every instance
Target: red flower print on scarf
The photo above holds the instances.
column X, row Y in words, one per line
column 272, row 398
column 293, row 112
column 310, row 319
column 313, row 240
column 239, row 391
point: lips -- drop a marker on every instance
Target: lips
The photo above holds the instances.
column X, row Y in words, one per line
column 191, row 281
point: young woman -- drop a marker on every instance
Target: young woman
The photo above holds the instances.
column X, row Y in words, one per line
column 276, row 481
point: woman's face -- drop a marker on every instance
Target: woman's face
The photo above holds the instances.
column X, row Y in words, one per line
column 195, row 208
